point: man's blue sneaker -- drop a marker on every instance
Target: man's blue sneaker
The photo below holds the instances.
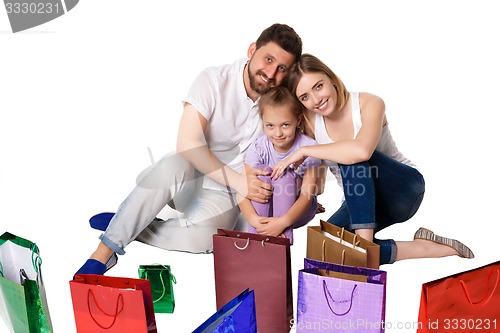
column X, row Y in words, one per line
column 101, row 221
column 93, row 266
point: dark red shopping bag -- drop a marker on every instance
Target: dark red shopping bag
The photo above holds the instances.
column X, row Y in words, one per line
column 261, row 263
column 464, row 302
column 112, row 304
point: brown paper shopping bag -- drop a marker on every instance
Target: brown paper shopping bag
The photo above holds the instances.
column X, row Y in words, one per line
column 330, row 243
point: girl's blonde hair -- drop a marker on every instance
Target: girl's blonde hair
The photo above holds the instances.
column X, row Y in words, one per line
column 281, row 96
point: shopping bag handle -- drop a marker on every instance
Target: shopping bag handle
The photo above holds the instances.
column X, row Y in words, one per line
column 248, row 243
column 36, row 260
column 329, row 297
column 162, row 281
column 354, row 243
column 323, row 253
column 341, row 235
column 464, row 286
column 244, row 247
column 115, row 315
column 22, row 276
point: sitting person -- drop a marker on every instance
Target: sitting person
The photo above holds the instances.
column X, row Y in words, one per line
column 193, row 191
column 293, row 202
column 381, row 186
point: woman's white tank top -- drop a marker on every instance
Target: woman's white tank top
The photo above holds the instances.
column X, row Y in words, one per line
column 385, row 145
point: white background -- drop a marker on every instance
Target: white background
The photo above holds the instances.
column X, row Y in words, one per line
column 84, row 96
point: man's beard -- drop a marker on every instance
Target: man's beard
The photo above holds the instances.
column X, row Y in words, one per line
column 261, row 89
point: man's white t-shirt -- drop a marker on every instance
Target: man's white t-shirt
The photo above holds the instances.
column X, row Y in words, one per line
column 219, row 95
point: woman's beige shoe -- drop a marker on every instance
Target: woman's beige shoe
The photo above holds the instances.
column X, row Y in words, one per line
column 463, row 251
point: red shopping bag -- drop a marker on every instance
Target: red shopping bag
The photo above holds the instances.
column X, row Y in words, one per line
column 112, row 304
column 464, row 302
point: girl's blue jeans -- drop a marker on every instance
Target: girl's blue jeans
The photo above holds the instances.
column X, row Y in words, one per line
column 379, row 193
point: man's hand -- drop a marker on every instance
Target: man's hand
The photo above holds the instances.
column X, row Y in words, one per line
column 257, row 190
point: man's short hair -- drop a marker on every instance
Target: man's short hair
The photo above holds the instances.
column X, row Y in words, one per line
column 284, row 36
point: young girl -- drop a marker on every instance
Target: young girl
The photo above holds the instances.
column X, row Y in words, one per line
column 293, row 203
column 381, row 186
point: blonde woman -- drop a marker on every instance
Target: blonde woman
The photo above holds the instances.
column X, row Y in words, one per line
column 381, row 186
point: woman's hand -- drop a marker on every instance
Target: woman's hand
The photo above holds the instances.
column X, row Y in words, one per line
column 296, row 158
column 272, row 226
column 321, row 209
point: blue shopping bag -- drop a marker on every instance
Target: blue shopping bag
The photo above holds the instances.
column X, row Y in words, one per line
column 238, row 316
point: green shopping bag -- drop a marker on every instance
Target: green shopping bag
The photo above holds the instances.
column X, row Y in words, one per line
column 23, row 304
column 161, row 280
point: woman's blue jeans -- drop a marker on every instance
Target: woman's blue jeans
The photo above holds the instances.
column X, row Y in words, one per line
column 379, row 193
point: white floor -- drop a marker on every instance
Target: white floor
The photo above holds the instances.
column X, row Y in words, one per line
column 84, row 96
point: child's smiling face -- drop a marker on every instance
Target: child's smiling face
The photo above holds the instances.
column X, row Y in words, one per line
column 280, row 126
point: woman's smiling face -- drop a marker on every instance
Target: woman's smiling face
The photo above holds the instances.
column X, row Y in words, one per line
column 317, row 93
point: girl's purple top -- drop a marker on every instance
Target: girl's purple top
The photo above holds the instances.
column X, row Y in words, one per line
column 262, row 152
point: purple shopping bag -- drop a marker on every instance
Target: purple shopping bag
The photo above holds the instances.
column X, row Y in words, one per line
column 340, row 298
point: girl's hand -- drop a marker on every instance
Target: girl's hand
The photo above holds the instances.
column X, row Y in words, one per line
column 296, row 158
column 272, row 226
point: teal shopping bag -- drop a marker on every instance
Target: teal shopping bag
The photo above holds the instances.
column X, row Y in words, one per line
column 162, row 283
column 23, row 303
